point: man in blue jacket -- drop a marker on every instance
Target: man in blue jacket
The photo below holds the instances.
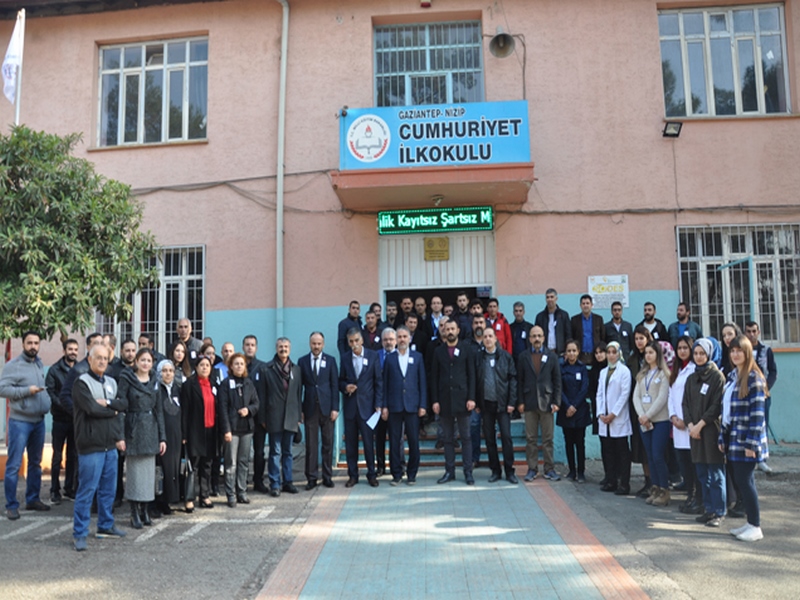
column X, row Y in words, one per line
column 405, row 392
column 320, row 409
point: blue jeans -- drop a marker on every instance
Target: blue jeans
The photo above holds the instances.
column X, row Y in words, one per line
column 743, row 476
column 97, row 473
column 280, row 458
column 655, row 444
column 712, row 476
column 24, row 436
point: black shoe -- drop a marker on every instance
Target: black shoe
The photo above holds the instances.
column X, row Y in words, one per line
column 494, row 477
column 446, row 477
column 312, row 483
column 622, row 491
column 351, row 482
column 214, row 491
column 328, row 483
column 37, row 505
column 373, row 481
column 572, row 475
column 12, row 514
column 275, row 492
column 155, row 512
column 603, row 481
column 609, row 487
column 143, row 508
column 55, row 499
column 242, row 499
column 69, row 495
column 705, row 517
column 644, row 492
column 136, row 520
column 736, row 512
column 512, row 478
column 469, row 479
column 439, row 445
column 289, row 488
column 715, row 521
column 261, row 488
column 231, row 502
column 395, row 481
column 380, row 471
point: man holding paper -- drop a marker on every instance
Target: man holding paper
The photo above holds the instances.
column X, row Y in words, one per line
column 361, row 384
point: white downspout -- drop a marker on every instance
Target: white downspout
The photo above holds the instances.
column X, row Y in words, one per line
column 279, row 316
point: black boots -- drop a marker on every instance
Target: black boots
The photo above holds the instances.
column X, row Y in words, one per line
column 143, row 508
column 136, row 521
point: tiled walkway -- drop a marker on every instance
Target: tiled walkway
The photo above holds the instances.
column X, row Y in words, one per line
column 447, row 541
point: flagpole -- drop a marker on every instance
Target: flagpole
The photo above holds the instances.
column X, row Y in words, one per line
column 21, row 19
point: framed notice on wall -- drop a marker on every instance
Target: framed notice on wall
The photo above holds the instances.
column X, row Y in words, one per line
column 606, row 289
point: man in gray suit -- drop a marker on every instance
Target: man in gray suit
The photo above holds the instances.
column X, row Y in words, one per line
column 539, row 397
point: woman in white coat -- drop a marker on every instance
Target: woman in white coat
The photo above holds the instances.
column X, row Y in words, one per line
column 614, row 421
column 682, row 368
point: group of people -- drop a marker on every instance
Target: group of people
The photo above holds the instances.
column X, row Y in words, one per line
column 653, row 394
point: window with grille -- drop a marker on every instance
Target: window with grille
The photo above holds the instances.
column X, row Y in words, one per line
column 435, row 63
column 178, row 294
column 153, row 92
column 724, row 61
column 716, row 264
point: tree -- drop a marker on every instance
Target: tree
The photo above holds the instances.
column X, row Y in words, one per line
column 70, row 242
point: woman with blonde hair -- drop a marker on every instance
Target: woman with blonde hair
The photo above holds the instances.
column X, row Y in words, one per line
column 743, row 437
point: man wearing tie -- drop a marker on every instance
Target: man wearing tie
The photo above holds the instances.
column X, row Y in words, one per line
column 361, row 382
column 405, row 402
column 320, row 409
column 389, row 343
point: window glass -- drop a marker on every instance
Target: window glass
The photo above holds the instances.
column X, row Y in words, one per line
column 672, row 73
column 693, row 24
column 668, row 24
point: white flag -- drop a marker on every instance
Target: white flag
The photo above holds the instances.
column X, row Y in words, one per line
column 13, row 59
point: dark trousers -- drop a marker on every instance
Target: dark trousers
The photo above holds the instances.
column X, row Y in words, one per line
column 743, row 475
column 259, row 462
column 120, row 473
column 448, row 436
column 202, row 467
column 64, row 435
column 396, row 422
column 491, row 416
column 618, row 458
column 694, row 488
column 352, row 427
column 381, row 435
column 319, row 425
column 575, row 445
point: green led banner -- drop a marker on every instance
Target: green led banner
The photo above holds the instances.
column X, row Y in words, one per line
column 435, row 220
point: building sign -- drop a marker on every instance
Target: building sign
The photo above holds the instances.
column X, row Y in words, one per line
column 606, row 289
column 474, row 133
column 435, row 220
column 437, row 248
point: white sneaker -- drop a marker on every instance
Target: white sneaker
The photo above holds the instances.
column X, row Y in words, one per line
column 736, row 531
column 764, row 467
column 751, row 535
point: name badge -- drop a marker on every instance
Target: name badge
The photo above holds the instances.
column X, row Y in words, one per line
column 411, row 360
column 214, row 390
column 624, row 334
column 498, row 327
column 522, row 335
column 577, row 376
column 193, row 354
column 366, row 362
column 256, row 375
column 110, row 389
column 322, row 364
column 175, row 400
column 655, row 335
column 377, row 339
column 544, row 358
column 491, row 362
column 704, row 389
column 456, row 352
column 646, row 399
column 658, row 380
column 232, row 384
column 413, row 347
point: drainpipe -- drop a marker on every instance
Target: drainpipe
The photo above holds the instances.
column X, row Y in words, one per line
column 279, row 317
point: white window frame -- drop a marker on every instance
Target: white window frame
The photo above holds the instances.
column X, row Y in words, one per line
column 427, row 72
column 705, row 39
column 165, row 329
column 736, row 243
column 166, row 69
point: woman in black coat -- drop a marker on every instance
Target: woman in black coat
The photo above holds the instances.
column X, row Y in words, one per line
column 169, row 393
column 198, row 424
column 237, row 405
column 144, row 435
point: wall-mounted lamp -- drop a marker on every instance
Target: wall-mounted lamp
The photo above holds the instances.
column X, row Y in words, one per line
column 503, row 44
column 672, row 129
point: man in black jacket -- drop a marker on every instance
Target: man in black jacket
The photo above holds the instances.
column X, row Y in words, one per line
column 62, row 432
column 99, row 436
column 453, row 398
column 555, row 323
column 653, row 325
column 520, row 328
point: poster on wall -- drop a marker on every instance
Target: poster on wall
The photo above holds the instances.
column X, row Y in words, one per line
column 607, row 289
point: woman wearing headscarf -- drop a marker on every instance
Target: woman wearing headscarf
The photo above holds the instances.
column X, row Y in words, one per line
column 682, row 368
column 614, row 423
column 144, row 435
column 169, row 393
column 702, row 406
column 650, row 402
column 744, row 437
column 236, row 411
column 199, row 429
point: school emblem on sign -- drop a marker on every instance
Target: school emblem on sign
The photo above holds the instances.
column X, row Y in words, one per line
column 368, row 138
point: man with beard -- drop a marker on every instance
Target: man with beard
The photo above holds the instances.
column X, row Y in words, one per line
column 63, row 433
column 453, row 398
column 475, row 345
column 24, row 386
column 653, row 325
column 618, row 330
column 683, row 326
column 371, row 332
column 389, row 343
column 496, row 321
column 555, row 323
column 353, row 319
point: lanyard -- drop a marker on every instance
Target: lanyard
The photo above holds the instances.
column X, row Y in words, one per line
column 648, row 381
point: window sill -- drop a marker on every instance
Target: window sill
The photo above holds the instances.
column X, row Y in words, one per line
column 149, row 145
column 706, row 118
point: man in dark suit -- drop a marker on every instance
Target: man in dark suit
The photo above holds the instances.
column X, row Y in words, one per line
column 453, row 398
column 254, row 370
column 320, row 409
column 361, row 383
column 539, row 397
column 389, row 343
column 587, row 329
column 618, row 330
column 405, row 395
column 419, row 338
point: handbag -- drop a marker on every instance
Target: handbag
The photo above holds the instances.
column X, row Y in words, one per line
column 159, row 490
column 188, row 481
